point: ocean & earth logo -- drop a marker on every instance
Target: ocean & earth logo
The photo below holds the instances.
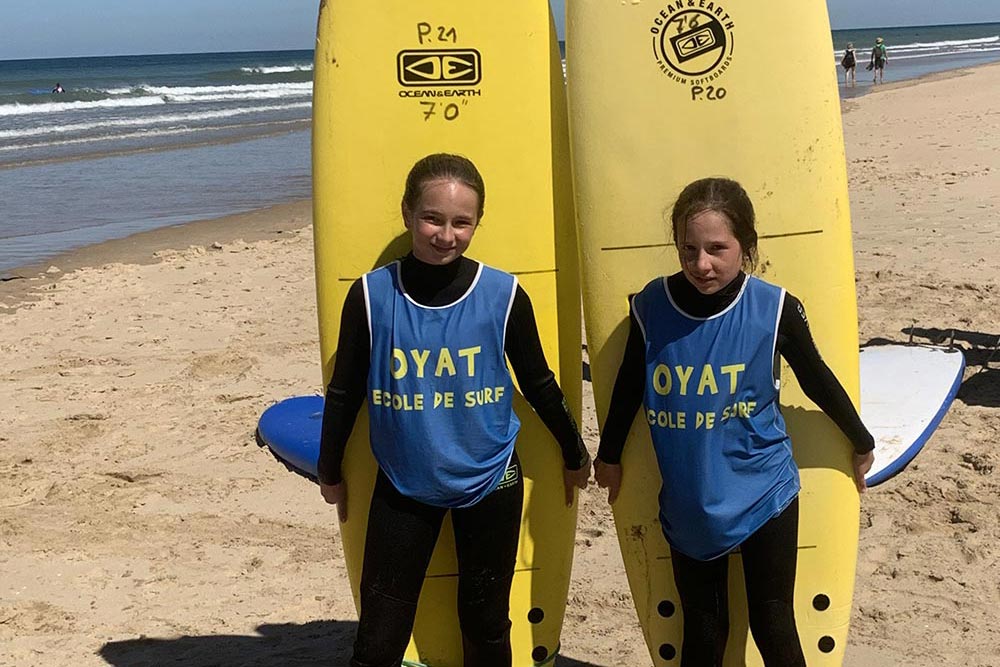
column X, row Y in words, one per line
column 693, row 41
column 510, row 477
column 439, row 67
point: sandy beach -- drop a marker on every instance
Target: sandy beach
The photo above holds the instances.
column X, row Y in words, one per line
column 140, row 524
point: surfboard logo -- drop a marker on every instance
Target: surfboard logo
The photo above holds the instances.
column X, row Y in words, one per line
column 696, row 42
column 439, row 67
column 693, row 41
column 510, row 477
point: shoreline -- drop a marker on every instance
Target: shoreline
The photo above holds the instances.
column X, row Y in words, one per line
column 848, row 104
column 20, row 283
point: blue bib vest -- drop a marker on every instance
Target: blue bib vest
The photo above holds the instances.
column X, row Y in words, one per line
column 440, row 396
column 711, row 402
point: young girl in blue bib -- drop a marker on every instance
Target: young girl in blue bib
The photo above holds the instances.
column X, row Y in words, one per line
column 437, row 323
column 736, row 484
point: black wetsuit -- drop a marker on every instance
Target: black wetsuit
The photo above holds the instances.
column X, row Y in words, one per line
column 769, row 555
column 401, row 531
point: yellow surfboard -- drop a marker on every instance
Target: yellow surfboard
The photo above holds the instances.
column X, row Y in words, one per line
column 396, row 80
column 665, row 92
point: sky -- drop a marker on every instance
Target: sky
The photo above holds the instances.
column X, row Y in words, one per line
column 63, row 28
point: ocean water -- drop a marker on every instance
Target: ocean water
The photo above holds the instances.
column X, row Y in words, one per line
column 114, row 105
column 139, row 142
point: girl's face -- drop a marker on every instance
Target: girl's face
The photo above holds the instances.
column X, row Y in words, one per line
column 711, row 256
column 443, row 221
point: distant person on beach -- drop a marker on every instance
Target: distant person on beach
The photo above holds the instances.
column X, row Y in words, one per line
column 878, row 60
column 849, row 63
column 733, row 484
column 435, row 462
column 58, row 88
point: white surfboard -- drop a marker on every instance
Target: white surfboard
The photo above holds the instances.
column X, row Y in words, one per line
column 905, row 392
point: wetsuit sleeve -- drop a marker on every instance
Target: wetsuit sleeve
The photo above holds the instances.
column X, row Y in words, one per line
column 524, row 351
column 626, row 397
column 346, row 391
column 796, row 345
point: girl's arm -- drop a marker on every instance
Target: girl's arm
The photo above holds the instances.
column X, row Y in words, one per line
column 821, row 385
column 626, row 397
column 796, row 345
column 524, row 350
column 346, row 392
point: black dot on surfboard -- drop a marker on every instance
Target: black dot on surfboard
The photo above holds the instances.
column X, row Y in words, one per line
column 667, row 651
column 666, row 608
column 536, row 615
column 827, row 644
column 539, row 654
column 821, row 602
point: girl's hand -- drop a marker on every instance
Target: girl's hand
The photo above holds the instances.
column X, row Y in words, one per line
column 575, row 479
column 336, row 494
column 862, row 464
column 608, row 476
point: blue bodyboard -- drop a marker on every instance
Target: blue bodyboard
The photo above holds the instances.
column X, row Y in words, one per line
column 291, row 430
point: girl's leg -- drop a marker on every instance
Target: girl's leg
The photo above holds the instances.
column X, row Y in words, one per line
column 486, row 537
column 769, row 559
column 702, row 586
column 398, row 547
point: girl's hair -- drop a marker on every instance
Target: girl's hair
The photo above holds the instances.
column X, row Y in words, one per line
column 726, row 197
column 442, row 166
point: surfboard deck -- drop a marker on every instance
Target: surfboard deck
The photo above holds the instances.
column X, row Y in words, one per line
column 906, row 391
column 663, row 93
column 397, row 80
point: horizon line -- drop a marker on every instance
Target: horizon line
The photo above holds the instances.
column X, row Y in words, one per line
column 561, row 39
